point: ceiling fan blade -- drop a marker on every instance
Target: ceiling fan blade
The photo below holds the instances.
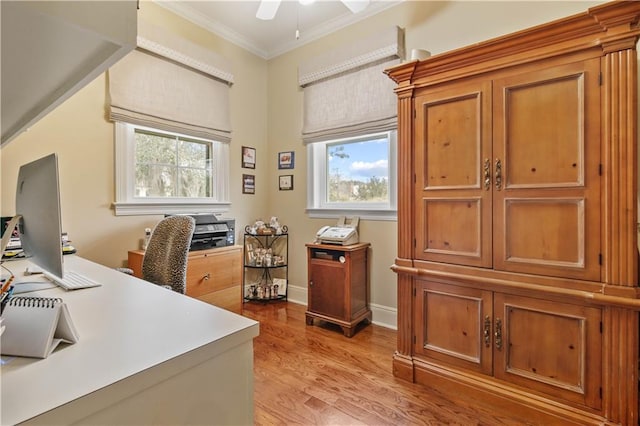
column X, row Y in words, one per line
column 267, row 9
column 356, row 6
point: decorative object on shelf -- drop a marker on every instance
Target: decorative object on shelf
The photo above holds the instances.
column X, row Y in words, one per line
column 262, row 257
column 248, row 157
column 266, row 249
column 248, row 184
column 286, row 160
column 261, row 228
column 286, row 183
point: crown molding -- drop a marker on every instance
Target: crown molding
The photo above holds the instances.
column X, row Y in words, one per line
column 183, row 10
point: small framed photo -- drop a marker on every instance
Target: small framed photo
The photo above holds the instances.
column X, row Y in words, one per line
column 286, row 159
column 248, row 184
column 286, row 182
column 248, row 157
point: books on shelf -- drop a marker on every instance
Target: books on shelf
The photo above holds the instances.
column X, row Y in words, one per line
column 14, row 248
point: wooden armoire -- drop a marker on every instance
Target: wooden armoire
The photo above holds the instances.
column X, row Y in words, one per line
column 517, row 256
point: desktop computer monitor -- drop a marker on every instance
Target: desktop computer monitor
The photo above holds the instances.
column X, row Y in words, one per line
column 38, row 202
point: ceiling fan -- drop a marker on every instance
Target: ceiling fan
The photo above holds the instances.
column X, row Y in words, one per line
column 268, row 8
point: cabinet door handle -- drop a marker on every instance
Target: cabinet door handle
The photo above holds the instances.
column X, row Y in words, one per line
column 498, row 174
column 487, row 331
column 207, row 276
column 487, row 174
column 498, row 334
column 310, row 283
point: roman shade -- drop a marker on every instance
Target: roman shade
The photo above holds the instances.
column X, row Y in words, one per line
column 346, row 92
column 171, row 84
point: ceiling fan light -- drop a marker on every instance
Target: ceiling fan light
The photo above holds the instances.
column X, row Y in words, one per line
column 356, row 6
column 267, row 9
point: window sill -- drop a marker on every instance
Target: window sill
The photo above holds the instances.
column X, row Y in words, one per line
column 382, row 215
column 156, row 208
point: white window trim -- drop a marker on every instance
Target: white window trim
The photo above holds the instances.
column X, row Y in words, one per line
column 316, row 192
column 127, row 204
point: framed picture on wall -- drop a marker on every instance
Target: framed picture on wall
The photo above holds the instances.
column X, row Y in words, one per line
column 286, row 159
column 248, row 184
column 286, row 182
column 248, row 157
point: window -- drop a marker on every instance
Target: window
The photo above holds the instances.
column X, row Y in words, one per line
column 349, row 124
column 160, row 172
column 171, row 165
column 353, row 176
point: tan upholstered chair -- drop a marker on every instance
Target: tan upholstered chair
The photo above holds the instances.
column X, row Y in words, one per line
column 165, row 260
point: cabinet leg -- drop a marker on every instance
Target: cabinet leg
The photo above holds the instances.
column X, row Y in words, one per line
column 309, row 320
column 348, row 331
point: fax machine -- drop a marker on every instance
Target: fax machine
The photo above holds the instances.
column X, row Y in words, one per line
column 343, row 234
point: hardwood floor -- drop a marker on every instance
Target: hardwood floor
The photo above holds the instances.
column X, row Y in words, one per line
column 314, row 375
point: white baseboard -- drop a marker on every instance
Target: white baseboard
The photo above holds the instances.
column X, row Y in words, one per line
column 297, row 295
column 384, row 316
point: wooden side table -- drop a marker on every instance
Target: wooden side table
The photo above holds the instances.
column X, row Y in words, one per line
column 338, row 285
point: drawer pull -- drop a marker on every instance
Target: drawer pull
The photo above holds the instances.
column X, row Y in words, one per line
column 207, row 276
column 487, row 174
column 487, row 331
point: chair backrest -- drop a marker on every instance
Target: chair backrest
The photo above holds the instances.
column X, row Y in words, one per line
column 165, row 260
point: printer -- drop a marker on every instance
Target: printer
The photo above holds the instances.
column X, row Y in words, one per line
column 212, row 231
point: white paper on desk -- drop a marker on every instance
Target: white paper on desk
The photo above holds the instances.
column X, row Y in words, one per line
column 35, row 326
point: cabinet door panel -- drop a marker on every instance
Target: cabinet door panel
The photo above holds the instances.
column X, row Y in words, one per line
column 453, row 324
column 453, row 227
column 546, row 135
column 327, row 288
column 544, row 131
column 550, row 347
column 453, row 202
column 539, row 224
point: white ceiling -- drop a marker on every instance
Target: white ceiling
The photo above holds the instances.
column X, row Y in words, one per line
column 235, row 20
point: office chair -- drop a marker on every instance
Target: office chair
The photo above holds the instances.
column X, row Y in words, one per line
column 165, row 259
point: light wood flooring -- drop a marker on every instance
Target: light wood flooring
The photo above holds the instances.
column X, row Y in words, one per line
column 314, row 375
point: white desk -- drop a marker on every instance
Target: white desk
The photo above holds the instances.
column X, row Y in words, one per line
column 146, row 355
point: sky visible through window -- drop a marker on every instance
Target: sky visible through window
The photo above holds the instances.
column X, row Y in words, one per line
column 359, row 161
column 358, row 171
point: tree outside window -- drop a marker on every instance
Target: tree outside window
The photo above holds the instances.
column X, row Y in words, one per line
column 171, row 166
